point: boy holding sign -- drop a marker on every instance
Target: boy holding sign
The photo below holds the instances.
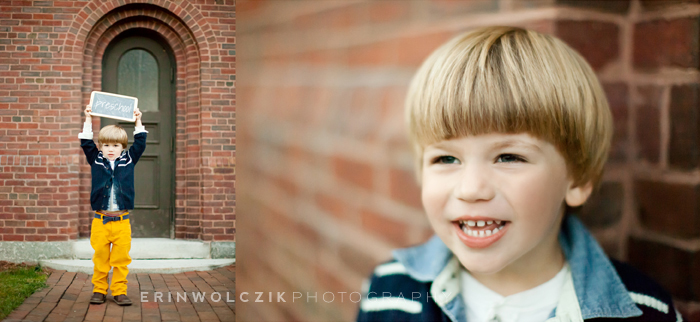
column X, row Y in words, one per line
column 111, row 197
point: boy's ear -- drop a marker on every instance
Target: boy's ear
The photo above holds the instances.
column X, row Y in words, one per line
column 576, row 196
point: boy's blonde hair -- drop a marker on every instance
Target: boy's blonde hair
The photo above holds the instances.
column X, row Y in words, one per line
column 113, row 134
column 512, row 80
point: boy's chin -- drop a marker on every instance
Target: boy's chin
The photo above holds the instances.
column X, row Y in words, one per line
column 477, row 265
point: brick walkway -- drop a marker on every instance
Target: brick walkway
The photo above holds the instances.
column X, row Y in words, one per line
column 67, row 298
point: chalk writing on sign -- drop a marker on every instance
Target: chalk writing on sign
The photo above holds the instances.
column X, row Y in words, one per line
column 114, row 106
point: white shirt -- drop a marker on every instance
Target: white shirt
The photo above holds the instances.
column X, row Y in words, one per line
column 533, row 305
column 112, row 196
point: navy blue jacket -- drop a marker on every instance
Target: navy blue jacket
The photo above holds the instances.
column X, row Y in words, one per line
column 422, row 284
column 122, row 177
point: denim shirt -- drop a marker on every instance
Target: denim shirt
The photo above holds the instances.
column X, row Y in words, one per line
column 594, row 287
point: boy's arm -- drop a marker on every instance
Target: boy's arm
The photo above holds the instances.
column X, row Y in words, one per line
column 89, row 147
column 140, row 134
column 393, row 295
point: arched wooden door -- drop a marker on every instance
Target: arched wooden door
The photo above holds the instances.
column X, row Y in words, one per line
column 139, row 63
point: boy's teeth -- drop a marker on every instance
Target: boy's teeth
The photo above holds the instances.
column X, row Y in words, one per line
column 469, row 224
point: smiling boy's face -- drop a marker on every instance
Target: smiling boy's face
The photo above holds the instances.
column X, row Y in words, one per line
column 497, row 200
column 111, row 150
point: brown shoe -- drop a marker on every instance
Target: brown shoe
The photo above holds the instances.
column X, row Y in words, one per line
column 97, row 298
column 122, row 300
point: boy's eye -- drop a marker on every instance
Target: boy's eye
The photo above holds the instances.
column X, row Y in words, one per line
column 507, row 157
column 445, row 159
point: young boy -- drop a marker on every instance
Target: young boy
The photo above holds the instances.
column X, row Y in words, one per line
column 111, row 197
column 512, row 130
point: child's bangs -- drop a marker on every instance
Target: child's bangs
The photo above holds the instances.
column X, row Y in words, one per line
column 504, row 84
column 113, row 134
column 509, row 80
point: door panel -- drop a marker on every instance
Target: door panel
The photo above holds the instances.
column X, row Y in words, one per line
column 138, row 63
column 147, row 191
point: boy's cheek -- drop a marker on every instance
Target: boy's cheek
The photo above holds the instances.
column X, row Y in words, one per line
column 433, row 197
column 536, row 195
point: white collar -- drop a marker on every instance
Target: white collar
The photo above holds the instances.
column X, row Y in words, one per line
column 534, row 304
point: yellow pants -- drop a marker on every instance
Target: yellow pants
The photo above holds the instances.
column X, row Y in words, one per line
column 118, row 235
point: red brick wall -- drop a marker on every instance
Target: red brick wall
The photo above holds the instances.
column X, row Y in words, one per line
column 327, row 183
column 50, row 60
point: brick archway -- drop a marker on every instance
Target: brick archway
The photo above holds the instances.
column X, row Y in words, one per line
column 189, row 52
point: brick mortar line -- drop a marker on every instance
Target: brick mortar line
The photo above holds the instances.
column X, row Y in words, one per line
column 454, row 23
column 291, row 15
column 423, row 27
column 691, row 245
column 258, row 281
column 664, row 127
column 351, row 194
column 630, row 217
column 673, row 11
column 136, row 309
column 46, row 307
column 203, row 308
column 626, row 46
column 160, row 286
column 187, row 286
column 61, row 311
column 318, row 221
column 222, row 279
column 227, row 273
column 688, row 177
column 85, row 291
column 182, row 307
column 223, row 303
column 330, row 263
column 663, row 75
column 333, row 76
column 307, row 139
column 654, row 173
column 359, row 36
column 390, row 208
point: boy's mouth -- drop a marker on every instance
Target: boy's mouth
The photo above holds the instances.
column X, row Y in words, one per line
column 481, row 228
column 480, row 233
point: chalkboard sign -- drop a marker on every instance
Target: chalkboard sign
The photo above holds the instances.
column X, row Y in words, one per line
column 113, row 106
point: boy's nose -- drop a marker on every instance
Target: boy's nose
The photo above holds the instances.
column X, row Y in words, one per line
column 474, row 184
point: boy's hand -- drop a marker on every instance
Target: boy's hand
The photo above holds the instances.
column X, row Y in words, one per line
column 88, row 112
column 137, row 114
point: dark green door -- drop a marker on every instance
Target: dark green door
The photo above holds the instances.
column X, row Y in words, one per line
column 138, row 63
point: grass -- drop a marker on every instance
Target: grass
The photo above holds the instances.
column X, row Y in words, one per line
column 18, row 282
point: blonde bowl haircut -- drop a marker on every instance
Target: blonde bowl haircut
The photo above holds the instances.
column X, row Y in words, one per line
column 512, row 80
column 113, row 134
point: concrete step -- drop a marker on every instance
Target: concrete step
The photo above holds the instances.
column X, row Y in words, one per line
column 152, row 248
column 153, row 266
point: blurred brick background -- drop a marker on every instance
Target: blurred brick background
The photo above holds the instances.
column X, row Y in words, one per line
column 326, row 171
column 51, row 59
